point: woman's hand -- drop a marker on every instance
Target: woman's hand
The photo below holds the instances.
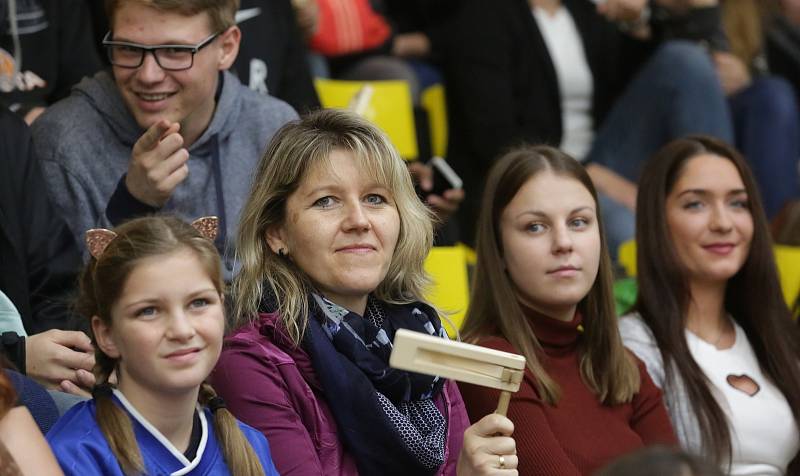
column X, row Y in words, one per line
column 732, row 71
column 626, row 11
column 683, row 5
column 443, row 206
column 307, row 13
column 617, row 187
column 411, row 45
column 488, row 448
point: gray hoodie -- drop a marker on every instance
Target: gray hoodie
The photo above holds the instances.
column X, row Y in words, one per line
column 85, row 143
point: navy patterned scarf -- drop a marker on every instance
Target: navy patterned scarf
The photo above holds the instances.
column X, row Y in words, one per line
column 386, row 417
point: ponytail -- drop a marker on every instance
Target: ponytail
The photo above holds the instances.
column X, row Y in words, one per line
column 239, row 454
column 115, row 423
column 116, row 426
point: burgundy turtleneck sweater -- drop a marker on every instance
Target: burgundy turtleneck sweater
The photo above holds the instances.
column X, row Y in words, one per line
column 579, row 435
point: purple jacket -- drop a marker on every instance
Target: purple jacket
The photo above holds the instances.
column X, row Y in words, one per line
column 270, row 384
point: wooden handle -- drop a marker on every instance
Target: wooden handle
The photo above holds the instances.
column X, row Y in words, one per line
column 502, row 403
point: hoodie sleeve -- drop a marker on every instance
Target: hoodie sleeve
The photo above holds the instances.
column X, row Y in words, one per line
column 124, row 206
column 74, row 199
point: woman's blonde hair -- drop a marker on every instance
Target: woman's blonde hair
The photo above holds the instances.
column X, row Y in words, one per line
column 297, row 148
column 743, row 22
column 102, row 283
column 606, row 368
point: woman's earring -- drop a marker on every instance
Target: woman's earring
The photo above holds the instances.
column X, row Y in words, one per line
column 281, row 252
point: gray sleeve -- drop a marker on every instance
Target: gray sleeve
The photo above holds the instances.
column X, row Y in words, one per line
column 70, row 195
column 289, row 113
column 638, row 338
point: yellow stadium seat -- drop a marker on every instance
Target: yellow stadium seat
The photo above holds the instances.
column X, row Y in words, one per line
column 390, row 107
column 626, row 255
column 433, row 100
column 469, row 253
column 786, row 257
column 447, row 266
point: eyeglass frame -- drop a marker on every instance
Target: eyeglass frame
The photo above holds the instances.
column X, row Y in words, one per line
column 144, row 49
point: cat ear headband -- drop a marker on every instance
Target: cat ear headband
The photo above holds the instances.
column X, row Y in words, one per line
column 97, row 239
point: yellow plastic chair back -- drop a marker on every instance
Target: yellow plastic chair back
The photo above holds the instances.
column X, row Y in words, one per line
column 390, row 108
column 433, row 100
column 447, row 266
column 786, row 257
column 469, row 253
column 626, row 255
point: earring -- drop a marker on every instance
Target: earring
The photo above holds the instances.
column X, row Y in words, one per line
column 281, row 252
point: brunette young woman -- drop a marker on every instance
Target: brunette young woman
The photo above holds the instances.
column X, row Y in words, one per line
column 153, row 290
column 332, row 244
column 542, row 288
column 711, row 323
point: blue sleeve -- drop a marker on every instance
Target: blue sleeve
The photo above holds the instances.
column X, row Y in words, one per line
column 83, row 455
column 86, row 461
column 79, row 446
column 261, row 447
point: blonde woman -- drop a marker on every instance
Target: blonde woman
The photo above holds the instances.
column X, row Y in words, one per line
column 332, row 243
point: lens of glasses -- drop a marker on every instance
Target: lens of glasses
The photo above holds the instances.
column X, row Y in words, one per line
column 132, row 57
column 174, row 58
column 125, row 56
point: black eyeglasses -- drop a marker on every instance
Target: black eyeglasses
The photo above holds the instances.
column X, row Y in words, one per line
column 168, row 57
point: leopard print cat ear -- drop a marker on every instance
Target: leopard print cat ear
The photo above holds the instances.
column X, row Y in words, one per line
column 207, row 226
column 97, row 239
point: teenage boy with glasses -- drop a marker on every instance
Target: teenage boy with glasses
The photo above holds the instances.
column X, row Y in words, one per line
column 169, row 129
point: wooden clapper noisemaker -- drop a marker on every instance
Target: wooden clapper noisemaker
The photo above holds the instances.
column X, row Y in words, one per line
column 425, row 354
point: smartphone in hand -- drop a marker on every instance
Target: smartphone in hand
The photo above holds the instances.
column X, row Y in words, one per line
column 444, row 178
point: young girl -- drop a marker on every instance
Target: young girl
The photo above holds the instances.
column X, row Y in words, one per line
column 542, row 288
column 711, row 322
column 153, row 291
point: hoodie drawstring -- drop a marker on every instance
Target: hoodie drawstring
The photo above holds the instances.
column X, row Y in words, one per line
column 217, row 171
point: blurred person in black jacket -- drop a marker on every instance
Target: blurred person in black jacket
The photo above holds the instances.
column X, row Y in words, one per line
column 46, row 46
column 39, row 263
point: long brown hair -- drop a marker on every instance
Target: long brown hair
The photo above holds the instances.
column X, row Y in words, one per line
column 606, row 368
column 753, row 295
column 101, row 284
column 745, row 23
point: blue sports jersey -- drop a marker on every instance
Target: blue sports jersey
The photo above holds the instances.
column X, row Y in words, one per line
column 82, row 450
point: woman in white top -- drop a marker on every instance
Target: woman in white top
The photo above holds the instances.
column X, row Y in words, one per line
column 710, row 307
